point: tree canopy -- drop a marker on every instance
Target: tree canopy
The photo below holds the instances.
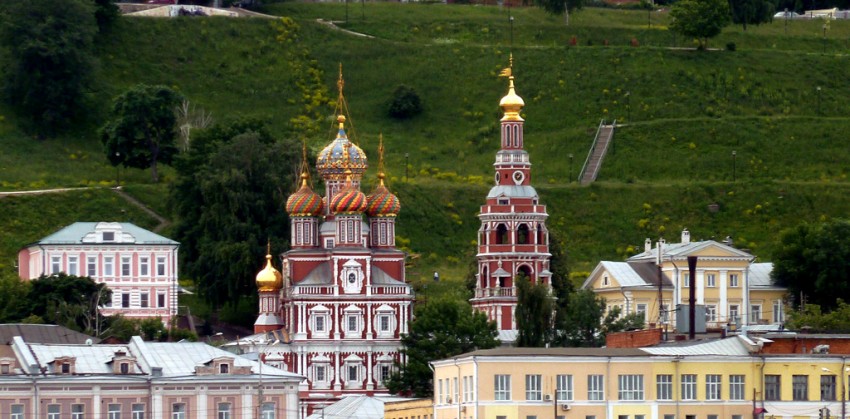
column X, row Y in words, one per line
column 587, row 323
column 816, row 321
column 51, row 63
column 443, row 327
column 142, row 129
column 814, row 261
column 68, row 300
column 534, row 312
column 700, row 19
column 751, row 12
column 557, row 7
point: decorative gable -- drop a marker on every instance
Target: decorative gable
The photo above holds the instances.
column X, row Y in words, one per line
column 223, row 365
column 64, row 365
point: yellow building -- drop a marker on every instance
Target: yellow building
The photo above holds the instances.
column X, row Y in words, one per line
column 409, row 409
column 733, row 290
column 720, row 379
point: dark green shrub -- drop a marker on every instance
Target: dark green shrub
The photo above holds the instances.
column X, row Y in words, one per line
column 405, row 103
column 730, row 46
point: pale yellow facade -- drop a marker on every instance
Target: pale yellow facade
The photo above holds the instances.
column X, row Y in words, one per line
column 409, row 409
column 733, row 290
column 527, row 383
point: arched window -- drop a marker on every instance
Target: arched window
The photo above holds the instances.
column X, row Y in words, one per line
column 541, row 235
column 485, row 277
column 516, row 136
column 507, row 133
column 524, row 270
column 502, row 234
column 522, row 235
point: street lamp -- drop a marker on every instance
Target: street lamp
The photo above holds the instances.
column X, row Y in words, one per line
column 818, row 90
column 734, row 157
column 571, row 168
column 511, row 19
column 786, row 21
column 117, row 171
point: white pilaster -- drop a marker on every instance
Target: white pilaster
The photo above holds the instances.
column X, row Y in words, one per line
column 721, row 309
column 700, row 284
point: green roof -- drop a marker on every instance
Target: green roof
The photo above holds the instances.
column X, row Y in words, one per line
column 75, row 233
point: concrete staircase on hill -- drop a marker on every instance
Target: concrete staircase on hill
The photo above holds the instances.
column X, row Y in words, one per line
column 604, row 136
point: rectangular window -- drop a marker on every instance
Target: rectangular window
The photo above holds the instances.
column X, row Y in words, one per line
column 565, row 387
column 641, row 310
column 144, row 265
column 710, row 281
column 664, row 386
column 109, row 236
column 160, row 265
column 160, row 300
column 114, row 411
column 178, row 411
column 78, row 411
column 502, row 387
column 125, row 266
column 733, row 313
column 455, row 390
column 144, row 300
column 595, row 387
column 352, row 323
column 711, row 313
column 800, row 387
column 756, row 314
column 224, row 411
column 353, row 373
column 736, row 387
column 91, row 266
column 138, row 411
column 733, row 280
column 737, row 416
column 630, row 387
column 17, row 411
column 385, row 323
column 669, row 416
column 73, row 266
column 827, row 387
column 108, row 266
column 713, row 383
column 711, row 417
column 267, row 411
column 532, row 387
column 125, row 300
column 778, row 315
column 686, row 279
column 320, row 373
column 440, row 391
column 689, row 387
column 772, row 387
column 55, row 264
column 320, row 323
column 53, row 411
column 384, row 373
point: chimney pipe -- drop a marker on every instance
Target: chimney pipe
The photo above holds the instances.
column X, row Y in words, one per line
column 692, row 291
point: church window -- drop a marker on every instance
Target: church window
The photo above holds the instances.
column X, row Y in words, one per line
column 353, row 373
column 385, row 323
column 352, row 323
column 501, row 234
column 523, row 237
column 507, row 137
column 320, row 373
column 350, row 230
column 504, row 201
column 320, row 324
column 329, row 243
column 299, row 233
column 485, row 278
column 383, row 234
column 525, row 271
column 541, row 236
column 516, row 135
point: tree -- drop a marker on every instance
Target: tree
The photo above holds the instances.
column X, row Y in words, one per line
column 581, row 325
column 14, row 304
column 228, row 196
column 443, row 327
column 142, row 129
column 68, row 300
column 556, row 7
column 813, row 261
column 751, row 12
column 816, row 321
column 700, row 19
column 51, row 63
column 106, row 13
column 405, row 103
column 533, row 313
column 562, row 288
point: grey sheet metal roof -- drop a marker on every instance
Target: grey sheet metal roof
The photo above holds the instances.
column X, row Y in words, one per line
column 42, row 333
column 550, row 352
column 320, row 275
column 760, row 275
column 678, row 250
column 380, row 277
column 512, row 191
column 74, row 234
column 734, row 346
column 358, row 407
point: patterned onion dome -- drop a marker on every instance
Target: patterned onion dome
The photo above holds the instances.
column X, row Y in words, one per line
column 340, row 156
column 381, row 202
column 304, row 202
column 349, row 200
column 269, row 279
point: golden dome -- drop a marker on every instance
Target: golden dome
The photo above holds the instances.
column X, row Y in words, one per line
column 511, row 104
column 269, row 279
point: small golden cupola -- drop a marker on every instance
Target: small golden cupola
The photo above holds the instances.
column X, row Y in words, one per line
column 381, row 202
column 511, row 103
column 269, row 279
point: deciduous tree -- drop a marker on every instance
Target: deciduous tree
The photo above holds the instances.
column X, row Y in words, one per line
column 700, row 19
column 534, row 313
column 143, row 127
column 68, row 300
column 751, row 12
column 557, row 7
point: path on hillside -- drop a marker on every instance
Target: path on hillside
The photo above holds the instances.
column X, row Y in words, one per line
column 597, row 154
column 163, row 222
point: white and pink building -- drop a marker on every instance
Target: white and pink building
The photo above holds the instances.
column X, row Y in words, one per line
column 137, row 265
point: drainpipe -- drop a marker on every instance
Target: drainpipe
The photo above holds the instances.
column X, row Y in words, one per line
column 607, row 383
column 475, row 387
column 843, row 392
column 677, row 385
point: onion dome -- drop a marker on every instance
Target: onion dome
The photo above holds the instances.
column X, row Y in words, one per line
column 269, row 279
column 349, row 200
column 511, row 103
column 304, row 202
column 381, row 202
column 341, row 156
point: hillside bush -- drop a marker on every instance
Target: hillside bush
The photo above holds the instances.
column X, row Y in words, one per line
column 405, row 103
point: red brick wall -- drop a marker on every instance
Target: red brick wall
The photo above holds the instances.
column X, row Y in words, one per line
column 635, row 339
column 802, row 344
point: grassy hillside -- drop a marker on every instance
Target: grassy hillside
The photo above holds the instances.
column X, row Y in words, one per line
column 683, row 113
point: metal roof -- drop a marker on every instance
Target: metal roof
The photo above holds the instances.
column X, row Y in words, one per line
column 512, row 191
column 760, row 275
column 42, row 333
column 356, row 406
column 734, row 346
column 74, row 234
column 553, row 352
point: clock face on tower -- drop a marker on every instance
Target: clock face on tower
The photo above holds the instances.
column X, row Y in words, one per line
column 518, row 177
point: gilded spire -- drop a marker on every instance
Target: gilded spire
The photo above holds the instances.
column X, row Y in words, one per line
column 511, row 103
column 381, row 202
column 305, row 173
column 381, row 174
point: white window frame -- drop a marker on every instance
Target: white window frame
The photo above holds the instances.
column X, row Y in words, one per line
column 126, row 262
column 755, row 313
column 710, row 313
column 686, row 279
column 713, row 386
column 596, row 387
column 533, row 388
column 564, row 387
column 109, row 266
column 78, row 411
column 55, row 264
column 267, row 410
column 630, row 387
column 54, row 411
column 664, row 386
column 641, row 309
column 689, row 386
column 502, row 387
column 733, row 281
column 91, row 266
column 144, row 299
column 178, row 411
column 161, row 300
column 161, row 265
column 711, row 280
column 145, row 266
column 737, row 387
column 223, row 411
column 74, row 265
column 114, row 411
column 138, row 411
column 352, row 370
column 17, row 411
column 778, row 311
column 734, row 312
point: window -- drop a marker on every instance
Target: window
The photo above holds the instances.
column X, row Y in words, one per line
column 160, row 300
column 109, row 236
column 384, row 323
column 124, row 368
column 733, row 280
column 224, row 411
column 17, row 411
column 352, row 323
column 686, row 279
column 737, row 416
column 138, row 411
column 53, row 411
column 108, row 265
column 384, row 373
column 125, row 300
column 353, row 373
column 669, row 416
column 641, row 309
column 160, row 265
column 267, row 411
column 713, row 383
column 605, row 280
column 689, row 387
column 65, row 368
column 125, row 266
column 771, row 387
column 73, row 266
column 320, row 373
column 630, row 387
column 502, row 387
column 532, row 387
column 144, row 265
column 710, row 281
column 91, row 266
column 664, row 386
column 55, row 264
column 320, row 323
column 733, row 313
column 778, row 315
column 440, row 391
column 711, row 313
column 595, row 387
column 114, row 411
column 756, row 314
column 827, row 387
column 455, row 390
column 800, row 387
column 622, row 416
column 711, row 417
column 178, row 411
column 564, row 387
column 736, row 387
column 144, row 300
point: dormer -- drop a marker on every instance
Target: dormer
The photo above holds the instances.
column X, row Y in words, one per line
column 64, row 365
column 105, row 232
column 7, row 365
column 123, row 364
column 223, row 365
